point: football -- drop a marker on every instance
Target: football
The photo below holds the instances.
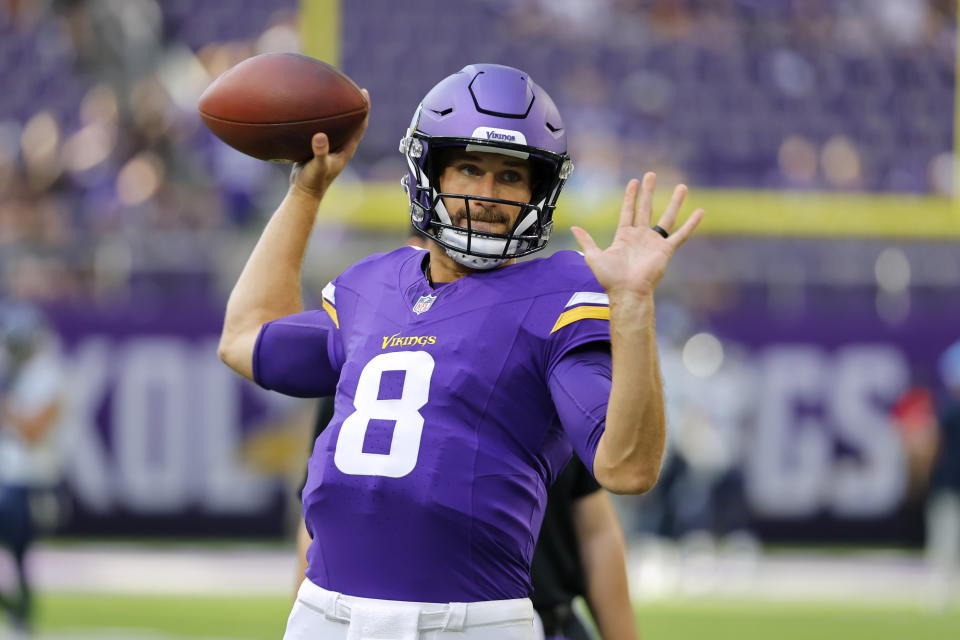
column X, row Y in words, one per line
column 270, row 106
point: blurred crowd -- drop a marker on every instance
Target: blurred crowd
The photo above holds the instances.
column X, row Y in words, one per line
column 839, row 94
column 105, row 168
column 110, row 184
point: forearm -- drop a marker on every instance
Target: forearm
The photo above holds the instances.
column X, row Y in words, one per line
column 269, row 285
column 303, row 543
column 603, row 555
column 630, row 451
column 607, row 592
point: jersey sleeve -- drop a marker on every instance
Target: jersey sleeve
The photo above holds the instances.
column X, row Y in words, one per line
column 580, row 388
column 301, row 355
column 583, row 318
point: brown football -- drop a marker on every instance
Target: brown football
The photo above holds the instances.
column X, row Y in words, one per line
column 270, row 106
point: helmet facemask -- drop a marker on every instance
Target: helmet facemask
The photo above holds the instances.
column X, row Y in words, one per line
column 532, row 225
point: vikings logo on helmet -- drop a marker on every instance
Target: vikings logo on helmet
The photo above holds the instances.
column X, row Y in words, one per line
column 496, row 109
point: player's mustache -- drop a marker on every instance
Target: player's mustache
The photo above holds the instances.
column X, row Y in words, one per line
column 480, row 214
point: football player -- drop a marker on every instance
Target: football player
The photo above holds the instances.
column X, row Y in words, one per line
column 31, row 395
column 943, row 500
column 463, row 378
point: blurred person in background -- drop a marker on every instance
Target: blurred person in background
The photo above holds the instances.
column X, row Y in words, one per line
column 581, row 553
column 943, row 504
column 31, row 386
column 915, row 416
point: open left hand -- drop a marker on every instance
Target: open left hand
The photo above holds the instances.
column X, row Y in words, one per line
column 636, row 259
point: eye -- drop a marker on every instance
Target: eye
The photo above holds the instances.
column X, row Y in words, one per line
column 470, row 170
column 511, row 176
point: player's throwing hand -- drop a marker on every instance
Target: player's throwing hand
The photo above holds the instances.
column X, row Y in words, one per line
column 313, row 177
column 636, row 259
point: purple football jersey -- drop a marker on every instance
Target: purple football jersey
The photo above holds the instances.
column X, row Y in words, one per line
column 430, row 482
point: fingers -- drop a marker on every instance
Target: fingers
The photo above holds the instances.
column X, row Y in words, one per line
column 629, row 204
column 350, row 147
column 645, row 207
column 680, row 235
column 321, row 145
column 312, row 176
column 295, row 171
column 324, row 167
column 669, row 216
column 587, row 245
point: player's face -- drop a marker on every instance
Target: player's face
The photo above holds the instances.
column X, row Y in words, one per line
column 490, row 175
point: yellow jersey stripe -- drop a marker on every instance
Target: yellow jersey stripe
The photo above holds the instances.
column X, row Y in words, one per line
column 581, row 313
column 331, row 311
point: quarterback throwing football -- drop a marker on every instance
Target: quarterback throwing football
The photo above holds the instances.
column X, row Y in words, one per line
column 464, row 380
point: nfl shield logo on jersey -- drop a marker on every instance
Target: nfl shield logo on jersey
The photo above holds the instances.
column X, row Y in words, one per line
column 424, row 303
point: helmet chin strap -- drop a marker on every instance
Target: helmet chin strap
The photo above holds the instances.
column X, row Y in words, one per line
column 475, row 262
column 484, row 245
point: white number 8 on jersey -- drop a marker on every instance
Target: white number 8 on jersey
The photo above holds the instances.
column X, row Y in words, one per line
column 349, row 456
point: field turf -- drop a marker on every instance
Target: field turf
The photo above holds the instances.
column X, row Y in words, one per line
column 67, row 615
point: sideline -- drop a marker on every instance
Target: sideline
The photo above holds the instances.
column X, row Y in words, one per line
column 657, row 572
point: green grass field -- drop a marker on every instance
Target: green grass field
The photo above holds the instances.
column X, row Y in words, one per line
column 264, row 618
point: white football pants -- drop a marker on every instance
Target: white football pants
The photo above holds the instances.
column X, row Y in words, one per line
column 319, row 614
column 943, row 544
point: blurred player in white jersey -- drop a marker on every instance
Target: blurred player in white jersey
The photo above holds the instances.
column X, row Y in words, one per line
column 943, row 505
column 31, row 384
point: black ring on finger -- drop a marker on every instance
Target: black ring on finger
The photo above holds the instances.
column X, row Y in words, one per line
column 661, row 231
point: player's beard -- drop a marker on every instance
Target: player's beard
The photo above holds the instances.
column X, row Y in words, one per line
column 486, row 217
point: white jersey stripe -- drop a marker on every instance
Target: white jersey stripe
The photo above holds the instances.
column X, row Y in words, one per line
column 588, row 297
column 329, row 293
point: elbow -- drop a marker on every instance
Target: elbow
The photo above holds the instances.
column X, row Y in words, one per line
column 630, row 480
column 627, row 472
column 634, row 485
column 229, row 352
column 223, row 349
column 236, row 351
column 642, row 484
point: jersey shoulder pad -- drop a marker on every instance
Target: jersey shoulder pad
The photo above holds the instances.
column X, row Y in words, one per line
column 377, row 267
column 573, row 295
column 370, row 276
column 566, row 271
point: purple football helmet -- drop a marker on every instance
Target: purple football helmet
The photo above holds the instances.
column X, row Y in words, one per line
column 486, row 108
